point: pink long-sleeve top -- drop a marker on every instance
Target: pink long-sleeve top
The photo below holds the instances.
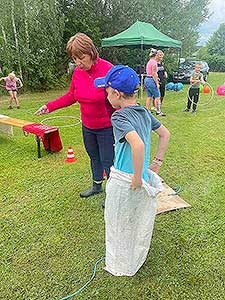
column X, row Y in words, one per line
column 94, row 106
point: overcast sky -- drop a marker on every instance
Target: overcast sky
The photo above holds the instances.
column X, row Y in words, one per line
column 217, row 8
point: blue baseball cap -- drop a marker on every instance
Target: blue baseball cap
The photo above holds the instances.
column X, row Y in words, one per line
column 121, row 78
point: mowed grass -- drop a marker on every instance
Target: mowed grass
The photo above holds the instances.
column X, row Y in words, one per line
column 50, row 238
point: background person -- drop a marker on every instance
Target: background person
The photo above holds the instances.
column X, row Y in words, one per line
column 162, row 74
column 193, row 93
column 152, row 83
column 94, row 106
column 129, row 208
column 11, row 86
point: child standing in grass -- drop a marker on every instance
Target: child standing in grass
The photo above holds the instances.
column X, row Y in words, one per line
column 193, row 94
column 11, row 86
column 131, row 190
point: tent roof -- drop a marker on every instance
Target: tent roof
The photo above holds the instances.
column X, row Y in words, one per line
column 141, row 33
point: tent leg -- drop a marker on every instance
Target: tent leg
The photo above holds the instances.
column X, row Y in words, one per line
column 142, row 85
column 142, row 66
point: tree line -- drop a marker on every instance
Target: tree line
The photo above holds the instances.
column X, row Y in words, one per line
column 214, row 50
column 34, row 33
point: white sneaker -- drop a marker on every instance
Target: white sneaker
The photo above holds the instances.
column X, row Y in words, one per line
column 161, row 114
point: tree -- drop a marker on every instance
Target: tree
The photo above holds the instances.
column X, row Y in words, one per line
column 216, row 44
column 31, row 43
column 34, row 33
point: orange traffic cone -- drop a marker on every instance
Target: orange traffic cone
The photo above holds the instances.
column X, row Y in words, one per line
column 104, row 174
column 70, row 158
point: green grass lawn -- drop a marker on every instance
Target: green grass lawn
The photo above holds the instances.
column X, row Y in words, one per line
column 50, row 238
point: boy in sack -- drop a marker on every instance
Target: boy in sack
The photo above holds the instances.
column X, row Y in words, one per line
column 131, row 189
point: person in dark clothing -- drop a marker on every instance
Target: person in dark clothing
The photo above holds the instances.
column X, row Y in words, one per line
column 162, row 74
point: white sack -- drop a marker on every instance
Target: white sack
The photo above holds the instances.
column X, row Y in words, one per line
column 129, row 221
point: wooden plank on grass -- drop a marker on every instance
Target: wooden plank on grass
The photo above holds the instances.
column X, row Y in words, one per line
column 168, row 200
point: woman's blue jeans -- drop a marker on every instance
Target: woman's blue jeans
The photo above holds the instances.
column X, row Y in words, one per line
column 99, row 144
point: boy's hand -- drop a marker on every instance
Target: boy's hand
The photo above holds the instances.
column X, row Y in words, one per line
column 42, row 110
column 135, row 182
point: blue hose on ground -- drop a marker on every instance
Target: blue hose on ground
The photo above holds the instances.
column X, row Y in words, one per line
column 89, row 281
column 177, row 190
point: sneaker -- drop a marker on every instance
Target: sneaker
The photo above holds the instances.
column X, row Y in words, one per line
column 18, row 107
column 193, row 111
column 153, row 108
column 10, row 107
column 186, row 110
column 160, row 114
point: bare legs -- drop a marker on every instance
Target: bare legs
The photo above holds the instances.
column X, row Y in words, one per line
column 148, row 102
column 158, row 104
column 13, row 97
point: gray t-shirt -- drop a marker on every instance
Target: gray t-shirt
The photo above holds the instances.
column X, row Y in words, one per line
column 196, row 76
column 132, row 118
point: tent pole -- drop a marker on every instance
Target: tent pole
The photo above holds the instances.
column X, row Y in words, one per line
column 142, row 65
column 178, row 60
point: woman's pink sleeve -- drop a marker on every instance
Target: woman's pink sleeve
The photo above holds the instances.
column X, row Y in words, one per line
column 63, row 101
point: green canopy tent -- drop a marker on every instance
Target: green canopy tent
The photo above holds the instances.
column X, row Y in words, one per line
column 141, row 35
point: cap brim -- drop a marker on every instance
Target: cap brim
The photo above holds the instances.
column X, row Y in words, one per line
column 100, row 82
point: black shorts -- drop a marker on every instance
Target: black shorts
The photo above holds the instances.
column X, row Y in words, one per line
column 12, row 90
column 162, row 87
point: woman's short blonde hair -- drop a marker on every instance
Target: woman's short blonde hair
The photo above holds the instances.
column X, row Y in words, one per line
column 81, row 44
column 160, row 51
column 12, row 75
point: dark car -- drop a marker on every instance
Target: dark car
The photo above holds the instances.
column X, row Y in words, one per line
column 186, row 68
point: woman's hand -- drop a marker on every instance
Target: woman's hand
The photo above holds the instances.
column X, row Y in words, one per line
column 42, row 110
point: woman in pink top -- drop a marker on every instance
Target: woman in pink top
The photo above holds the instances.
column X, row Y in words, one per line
column 94, row 106
column 11, row 87
column 152, row 83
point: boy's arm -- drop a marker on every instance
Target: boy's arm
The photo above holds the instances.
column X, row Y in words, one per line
column 163, row 141
column 137, row 149
column 202, row 79
column 192, row 80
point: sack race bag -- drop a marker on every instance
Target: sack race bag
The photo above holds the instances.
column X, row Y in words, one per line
column 129, row 221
